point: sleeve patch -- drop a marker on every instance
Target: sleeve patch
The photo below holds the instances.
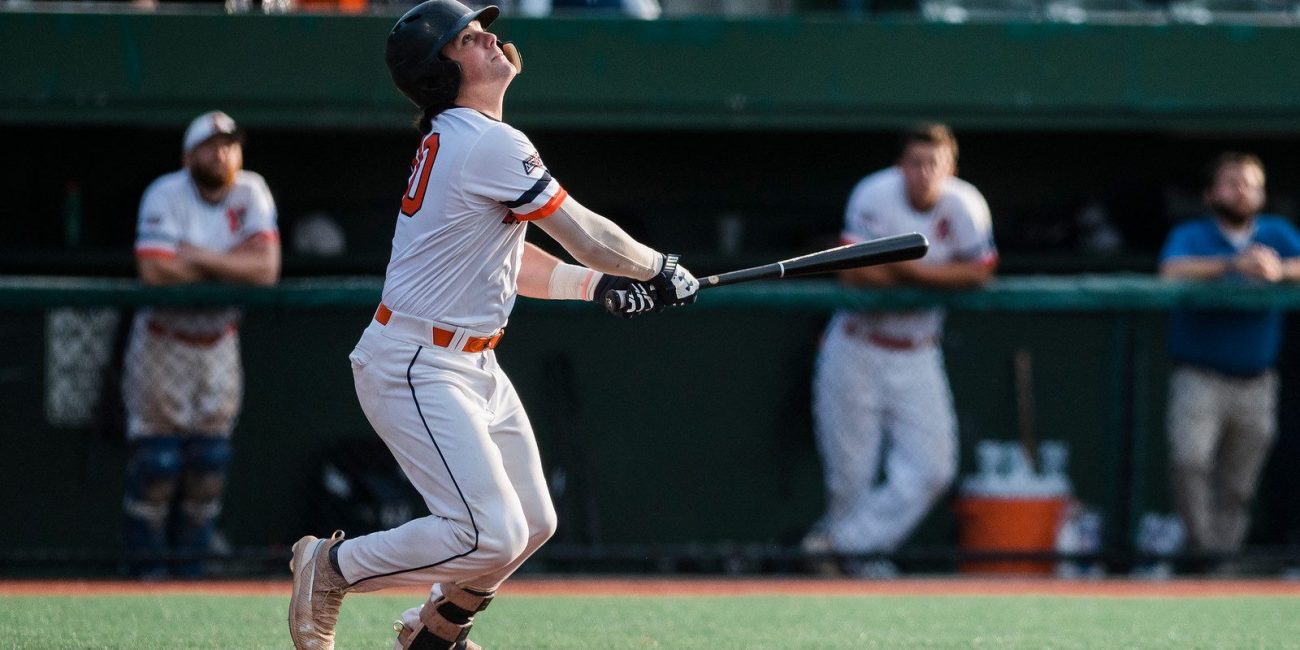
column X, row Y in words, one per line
column 531, row 163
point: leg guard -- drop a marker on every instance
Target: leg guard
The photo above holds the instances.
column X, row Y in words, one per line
column 204, row 477
column 151, row 479
column 444, row 621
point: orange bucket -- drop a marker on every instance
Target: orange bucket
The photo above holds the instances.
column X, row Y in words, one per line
column 1008, row 524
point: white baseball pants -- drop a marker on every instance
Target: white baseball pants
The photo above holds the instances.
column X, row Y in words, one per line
column 869, row 401
column 456, row 426
column 176, row 388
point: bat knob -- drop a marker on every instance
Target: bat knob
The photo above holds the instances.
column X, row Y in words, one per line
column 615, row 301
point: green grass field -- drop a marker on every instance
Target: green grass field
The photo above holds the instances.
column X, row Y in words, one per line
column 527, row 622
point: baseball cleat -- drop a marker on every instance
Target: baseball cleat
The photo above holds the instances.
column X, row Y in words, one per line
column 317, row 593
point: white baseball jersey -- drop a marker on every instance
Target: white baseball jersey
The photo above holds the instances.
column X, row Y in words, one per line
column 958, row 226
column 451, row 417
column 172, row 212
column 170, row 386
column 865, row 394
column 446, row 265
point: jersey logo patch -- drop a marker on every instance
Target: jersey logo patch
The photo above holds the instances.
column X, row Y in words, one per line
column 532, row 162
column 235, row 217
column 942, row 229
column 510, row 218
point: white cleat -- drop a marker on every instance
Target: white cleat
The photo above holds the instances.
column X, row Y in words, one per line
column 317, row 593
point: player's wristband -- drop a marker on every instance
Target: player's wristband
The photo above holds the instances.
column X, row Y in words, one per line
column 571, row 282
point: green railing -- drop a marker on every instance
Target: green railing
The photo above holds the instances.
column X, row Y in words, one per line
column 1089, row 293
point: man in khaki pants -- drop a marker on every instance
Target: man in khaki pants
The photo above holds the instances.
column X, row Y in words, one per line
column 1222, row 415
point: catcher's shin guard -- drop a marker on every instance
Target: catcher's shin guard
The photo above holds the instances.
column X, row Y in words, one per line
column 444, row 623
column 151, row 481
column 203, row 480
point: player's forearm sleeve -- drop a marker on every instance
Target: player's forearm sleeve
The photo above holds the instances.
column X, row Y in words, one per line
column 600, row 244
column 569, row 282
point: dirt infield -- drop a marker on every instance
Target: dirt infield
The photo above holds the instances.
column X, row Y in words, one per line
column 589, row 586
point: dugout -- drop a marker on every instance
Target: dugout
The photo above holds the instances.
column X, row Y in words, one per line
column 1054, row 120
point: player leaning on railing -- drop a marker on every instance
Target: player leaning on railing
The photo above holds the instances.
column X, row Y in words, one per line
column 425, row 371
column 183, row 381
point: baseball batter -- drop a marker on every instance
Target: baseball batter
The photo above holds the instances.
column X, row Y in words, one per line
column 425, row 371
column 880, row 387
column 183, row 382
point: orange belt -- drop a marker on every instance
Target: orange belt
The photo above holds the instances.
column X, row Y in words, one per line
column 890, row 343
column 886, row 342
column 442, row 338
column 203, row 340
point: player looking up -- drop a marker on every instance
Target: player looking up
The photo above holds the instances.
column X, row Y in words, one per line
column 425, row 371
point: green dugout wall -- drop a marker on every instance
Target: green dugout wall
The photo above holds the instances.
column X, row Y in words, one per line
column 730, row 461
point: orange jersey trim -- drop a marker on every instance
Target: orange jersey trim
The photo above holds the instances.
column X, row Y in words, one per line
column 155, row 252
column 546, row 210
column 272, row 236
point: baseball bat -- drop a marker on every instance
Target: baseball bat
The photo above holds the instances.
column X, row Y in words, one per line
column 896, row 248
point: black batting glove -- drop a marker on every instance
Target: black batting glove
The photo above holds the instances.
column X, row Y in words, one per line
column 674, row 285
column 624, row 297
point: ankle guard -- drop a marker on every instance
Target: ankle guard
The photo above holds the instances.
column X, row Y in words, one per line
column 445, row 622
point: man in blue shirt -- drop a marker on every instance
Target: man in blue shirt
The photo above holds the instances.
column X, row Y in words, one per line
column 1222, row 415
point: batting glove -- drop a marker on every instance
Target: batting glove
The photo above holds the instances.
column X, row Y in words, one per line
column 625, row 297
column 674, row 286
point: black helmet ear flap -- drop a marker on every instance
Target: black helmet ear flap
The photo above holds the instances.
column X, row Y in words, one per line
column 512, row 55
column 437, row 85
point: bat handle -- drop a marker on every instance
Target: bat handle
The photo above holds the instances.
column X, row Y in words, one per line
column 615, row 301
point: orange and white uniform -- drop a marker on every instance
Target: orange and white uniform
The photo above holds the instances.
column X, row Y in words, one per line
column 182, row 367
column 427, row 377
column 475, row 183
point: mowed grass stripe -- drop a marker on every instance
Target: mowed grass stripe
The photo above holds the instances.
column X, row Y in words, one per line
column 526, row 623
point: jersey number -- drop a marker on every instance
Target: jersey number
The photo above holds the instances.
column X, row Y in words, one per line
column 420, row 168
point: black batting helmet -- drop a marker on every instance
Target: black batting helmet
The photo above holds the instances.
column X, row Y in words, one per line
column 414, row 47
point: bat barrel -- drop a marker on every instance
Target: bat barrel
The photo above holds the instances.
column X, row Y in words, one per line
column 884, row 250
